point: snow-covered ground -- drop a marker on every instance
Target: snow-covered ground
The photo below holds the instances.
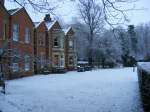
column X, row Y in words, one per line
column 108, row 90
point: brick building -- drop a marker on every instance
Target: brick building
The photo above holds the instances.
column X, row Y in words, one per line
column 56, row 44
column 70, row 52
column 33, row 47
column 4, row 24
column 40, row 47
column 21, row 43
column 4, row 34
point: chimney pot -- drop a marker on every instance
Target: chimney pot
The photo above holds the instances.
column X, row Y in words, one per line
column 47, row 18
column 2, row 2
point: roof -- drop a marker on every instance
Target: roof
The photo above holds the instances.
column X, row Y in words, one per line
column 67, row 30
column 36, row 24
column 144, row 66
column 13, row 11
column 49, row 25
column 4, row 8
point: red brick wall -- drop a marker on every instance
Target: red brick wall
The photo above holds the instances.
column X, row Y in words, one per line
column 40, row 35
column 4, row 19
column 41, row 30
column 22, row 19
column 50, row 40
column 52, row 51
column 68, row 51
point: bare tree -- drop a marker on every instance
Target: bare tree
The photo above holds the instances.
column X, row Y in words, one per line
column 115, row 11
column 41, row 6
column 112, row 12
column 92, row 16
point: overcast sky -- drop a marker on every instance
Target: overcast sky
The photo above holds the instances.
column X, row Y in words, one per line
column 67, row 11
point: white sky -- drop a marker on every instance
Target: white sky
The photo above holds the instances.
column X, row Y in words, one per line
column 67, row 11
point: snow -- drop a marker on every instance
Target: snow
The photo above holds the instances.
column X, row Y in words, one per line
column 66, row 30
column 49, row 25
column 82, row 62
column 67, row 10
column 36, row 24
column 105, row 90
column 144, row 65
column 13, row 11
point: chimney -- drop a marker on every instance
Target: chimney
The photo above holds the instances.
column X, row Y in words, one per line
column 47, row 18
column 2, row 2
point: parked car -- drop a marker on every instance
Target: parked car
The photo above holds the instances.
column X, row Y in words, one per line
column 80, row 69
column 59, row 70
column 87, row 68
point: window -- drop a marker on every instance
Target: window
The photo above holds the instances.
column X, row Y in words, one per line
column 56, row 60
column 70, row 43
column 27, row 35
column 4, row 31
column 15, row 32
column 27, row 67
column 27, row 63
column 62, row 43
column 71, row 60
column 42, row 60
column 41, row 40
column 56, row 42
column 15, row 67
column 62, row 61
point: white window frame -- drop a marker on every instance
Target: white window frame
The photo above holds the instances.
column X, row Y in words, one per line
column 27, row 35
column 15, row 67
column 57, row 40
column 42, row 61
column 15, row 32
column 26, row 63
column 62, row 61
column 27, row 66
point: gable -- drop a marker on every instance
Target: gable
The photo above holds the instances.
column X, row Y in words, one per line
column 41, row 26
column 56, row 25
column 71, row 32
column 3, row 10
column 23, row 13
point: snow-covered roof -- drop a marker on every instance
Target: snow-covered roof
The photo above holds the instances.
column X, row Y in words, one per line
column 82, row 62
column 66, row 30
column 144, row 65
column 13, row 11
column 49, row 25
column 36, row 24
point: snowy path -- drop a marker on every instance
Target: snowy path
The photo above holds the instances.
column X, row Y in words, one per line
column 109, row 90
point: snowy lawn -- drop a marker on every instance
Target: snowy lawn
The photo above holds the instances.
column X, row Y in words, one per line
column 108, row 90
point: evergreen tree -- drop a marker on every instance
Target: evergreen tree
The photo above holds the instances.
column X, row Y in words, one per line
column 133, row 40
